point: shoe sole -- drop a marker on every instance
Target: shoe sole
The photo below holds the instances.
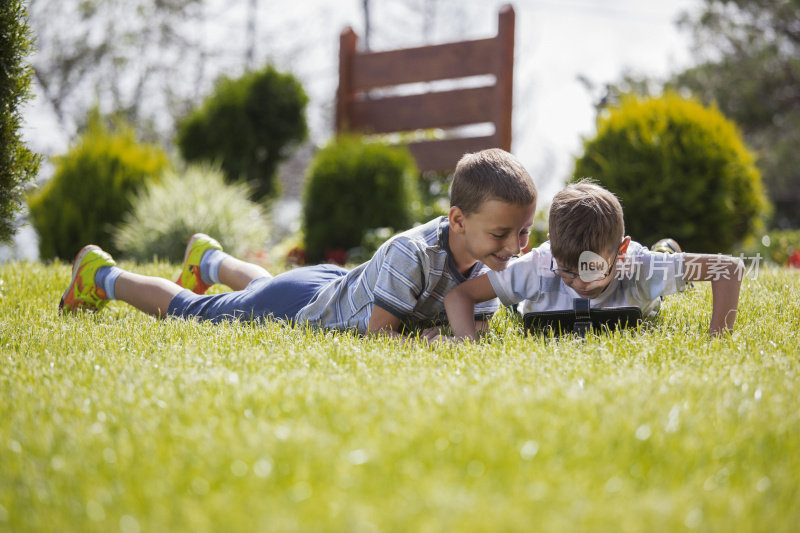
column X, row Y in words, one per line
column 192, row 239
column 189, row 245
column 75, row 266
column 672, row 244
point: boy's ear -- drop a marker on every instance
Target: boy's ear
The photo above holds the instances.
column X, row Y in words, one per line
column 623, row 248
column 456, row 218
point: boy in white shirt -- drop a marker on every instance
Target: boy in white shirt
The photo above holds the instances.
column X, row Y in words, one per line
column 589, row 256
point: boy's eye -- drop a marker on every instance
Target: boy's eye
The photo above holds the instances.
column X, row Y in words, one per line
column 496, row 236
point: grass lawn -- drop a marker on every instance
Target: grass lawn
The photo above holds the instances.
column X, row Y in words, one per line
column 120, row 422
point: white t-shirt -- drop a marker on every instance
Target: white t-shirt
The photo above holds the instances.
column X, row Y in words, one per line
column 640, row 280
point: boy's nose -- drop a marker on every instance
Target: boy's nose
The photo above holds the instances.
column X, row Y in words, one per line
column 513, row 246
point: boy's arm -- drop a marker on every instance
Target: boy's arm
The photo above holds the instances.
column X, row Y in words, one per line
column 382, row 321
column 725, row 274
column 400, row 279
column 460, row 305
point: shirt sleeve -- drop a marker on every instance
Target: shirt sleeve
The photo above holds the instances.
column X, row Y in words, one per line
column 520, row 281
column 485, row 310
column 659, row 274
column 400, row 278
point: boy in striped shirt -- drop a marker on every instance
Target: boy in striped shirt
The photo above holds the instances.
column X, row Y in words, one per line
column 493, row 200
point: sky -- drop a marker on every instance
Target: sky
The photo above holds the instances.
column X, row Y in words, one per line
column 556, row 42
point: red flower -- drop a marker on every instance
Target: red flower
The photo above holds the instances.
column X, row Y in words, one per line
column 794, row 259
column 296, row 256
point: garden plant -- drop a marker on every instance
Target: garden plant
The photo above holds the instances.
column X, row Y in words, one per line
column 93, row 187
column 18, row 164
column 247, row 125
column 676, row 164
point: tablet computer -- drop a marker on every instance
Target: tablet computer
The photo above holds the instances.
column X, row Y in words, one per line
column 581, row 319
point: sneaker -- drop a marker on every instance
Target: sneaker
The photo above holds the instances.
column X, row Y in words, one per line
column 669, row 246
column 189, row 277
column 83, row 292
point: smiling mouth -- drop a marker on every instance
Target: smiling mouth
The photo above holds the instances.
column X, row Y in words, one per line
column 503, row 259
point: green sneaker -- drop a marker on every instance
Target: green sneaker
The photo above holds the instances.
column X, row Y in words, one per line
column 83, row 292
column 669, row 246
column 189, row 277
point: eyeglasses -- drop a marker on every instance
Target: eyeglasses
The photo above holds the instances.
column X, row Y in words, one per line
column 589, row 276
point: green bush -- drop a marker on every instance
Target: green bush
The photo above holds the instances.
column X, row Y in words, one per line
column 540, row 226
column 434, row 188
column 246, row 126
column 18, row 165
column 166, row 213
column 680, row 169
column 778, row 246
column 352, row 187
column 92, row 188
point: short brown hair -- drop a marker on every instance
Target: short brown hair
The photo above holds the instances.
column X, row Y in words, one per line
column 584, row 217
column 492, row 174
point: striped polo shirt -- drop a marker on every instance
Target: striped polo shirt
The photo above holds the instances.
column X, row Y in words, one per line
column 408, row 276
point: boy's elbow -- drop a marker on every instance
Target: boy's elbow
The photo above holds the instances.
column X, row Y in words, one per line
column 448, row 298
column 736, row 269
column 728, row 274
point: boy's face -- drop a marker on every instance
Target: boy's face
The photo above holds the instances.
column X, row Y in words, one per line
column 496, row 233
column 591, row 283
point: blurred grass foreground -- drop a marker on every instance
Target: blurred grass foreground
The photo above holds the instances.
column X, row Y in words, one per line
column 119, row 422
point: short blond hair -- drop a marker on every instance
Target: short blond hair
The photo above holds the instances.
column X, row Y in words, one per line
column 584, row 217
column 492, row 174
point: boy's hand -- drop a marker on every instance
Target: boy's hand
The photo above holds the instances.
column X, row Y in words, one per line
column 460, row 305
column 435, row 335
column 431, row 334
column 725, row 274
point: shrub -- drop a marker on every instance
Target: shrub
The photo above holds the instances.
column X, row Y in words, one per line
column 246, row 126
column 92, row 188
column 680, row 169
column 540, row 227
column 166, row 213
column 354, row 186
column 18, row 165
column 434, row 190
column 779, row 247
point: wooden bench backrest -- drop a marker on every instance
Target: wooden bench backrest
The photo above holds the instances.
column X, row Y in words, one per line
column 362, row 109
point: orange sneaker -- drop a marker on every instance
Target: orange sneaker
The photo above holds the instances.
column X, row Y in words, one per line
column 189, row 277
column 83, row 292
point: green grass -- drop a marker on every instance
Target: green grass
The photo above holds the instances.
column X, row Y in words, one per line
column 120, row 422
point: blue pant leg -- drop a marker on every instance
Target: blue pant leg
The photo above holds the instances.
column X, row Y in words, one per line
column 279, row 297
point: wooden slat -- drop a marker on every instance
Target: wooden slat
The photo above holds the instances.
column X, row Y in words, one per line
column 443, row 155
column 445, row 109
column 347, row 50
column 503, row 100
column 427, row 63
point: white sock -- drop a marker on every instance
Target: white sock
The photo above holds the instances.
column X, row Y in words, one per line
column 106, row 278
column 209, row 265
